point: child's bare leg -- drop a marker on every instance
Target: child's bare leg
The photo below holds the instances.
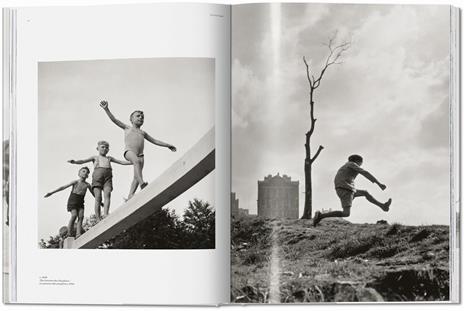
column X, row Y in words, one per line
column 344, row 213
column 138, row 165
column 106, row 201
column 80, row 218
column 133, row 188
column 98, row 199
column 142, row 162
column 71, row 222
column 319, row 216
column 363, row 193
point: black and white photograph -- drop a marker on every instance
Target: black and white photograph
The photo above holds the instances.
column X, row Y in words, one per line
column 126, row 153
column 340, row 153
column 233, row 153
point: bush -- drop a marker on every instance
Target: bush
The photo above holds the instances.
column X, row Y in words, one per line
column 385, row 251
column 199, row 224
column 159, row 231
column 162, row 230
column 352, row 247
column 419, row 236
column 394, row 229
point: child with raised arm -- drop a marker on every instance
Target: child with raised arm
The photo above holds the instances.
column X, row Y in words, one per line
column 134, row 139
column 76, row 200
column 344, row 186
column 102, row 177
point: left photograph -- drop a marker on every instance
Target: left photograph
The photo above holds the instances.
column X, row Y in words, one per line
column 126, row 154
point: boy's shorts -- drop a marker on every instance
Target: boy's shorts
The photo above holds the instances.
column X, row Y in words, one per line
column 139, row 155
column 346, row 197
column 102, row 178
column 75, row 201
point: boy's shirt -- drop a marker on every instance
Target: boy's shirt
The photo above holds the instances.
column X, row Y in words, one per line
column 346, row 175
column 102, row 161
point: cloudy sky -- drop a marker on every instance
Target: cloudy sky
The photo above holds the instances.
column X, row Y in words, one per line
column 176, row 95
column 388, row 101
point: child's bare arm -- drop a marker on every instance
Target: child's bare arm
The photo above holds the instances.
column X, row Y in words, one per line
column 91, row 159
column 159, row 142
column 119, row 161
column 60, row 188
column 104, row 105
column 371, row 177
column 90, row 189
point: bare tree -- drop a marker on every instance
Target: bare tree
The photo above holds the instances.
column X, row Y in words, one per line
column 333, row 58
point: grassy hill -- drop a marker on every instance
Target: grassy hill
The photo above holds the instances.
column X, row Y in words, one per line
column 279, row 260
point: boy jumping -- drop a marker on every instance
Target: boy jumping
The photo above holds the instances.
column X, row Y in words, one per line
column 134, row 139
column 102, row 177
column 344, row 186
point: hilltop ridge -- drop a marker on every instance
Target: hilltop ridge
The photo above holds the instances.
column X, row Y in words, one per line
column 337, row 261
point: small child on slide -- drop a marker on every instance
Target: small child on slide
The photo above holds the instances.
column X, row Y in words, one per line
column 76, row 200
column 134, row 139
column 102, row 177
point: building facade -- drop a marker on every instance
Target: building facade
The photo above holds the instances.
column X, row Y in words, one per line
column 236, row 211
column 278, row 197
column 233, row 204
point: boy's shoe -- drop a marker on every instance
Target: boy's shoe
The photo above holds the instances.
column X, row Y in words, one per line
column 317, row 218
column 386, row 206
column 143, row 185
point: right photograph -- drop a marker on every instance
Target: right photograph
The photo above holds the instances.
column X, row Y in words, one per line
column 341, row 165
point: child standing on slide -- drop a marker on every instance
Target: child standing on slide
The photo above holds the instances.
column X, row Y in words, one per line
column 134, row 139
column 102, row 177
column 76, row 200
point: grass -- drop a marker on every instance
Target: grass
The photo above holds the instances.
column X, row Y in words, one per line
column 312, row 261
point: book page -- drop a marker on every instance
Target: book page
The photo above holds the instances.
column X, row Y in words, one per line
column 122, row 154
column 343, row 187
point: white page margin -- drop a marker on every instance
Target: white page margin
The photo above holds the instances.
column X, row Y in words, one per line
column 120, row 276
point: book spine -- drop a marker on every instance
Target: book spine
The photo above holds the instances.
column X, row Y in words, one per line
column 9, row 156
column 455, row 148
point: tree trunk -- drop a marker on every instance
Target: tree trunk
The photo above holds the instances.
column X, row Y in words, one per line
column 308, row 190
column 332, row 58
column 308, row 206
column 308, row 185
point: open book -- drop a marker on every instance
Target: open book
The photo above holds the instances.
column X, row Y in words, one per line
column 211, row 154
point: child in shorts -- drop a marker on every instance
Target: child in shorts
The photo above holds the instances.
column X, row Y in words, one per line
column 102, row 177
column 344, row 186
column 76, row 200
column 134, row 139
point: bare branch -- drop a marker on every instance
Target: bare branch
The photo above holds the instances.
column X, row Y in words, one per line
column 333, row 58
column 317, row 154
column 307, row 73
